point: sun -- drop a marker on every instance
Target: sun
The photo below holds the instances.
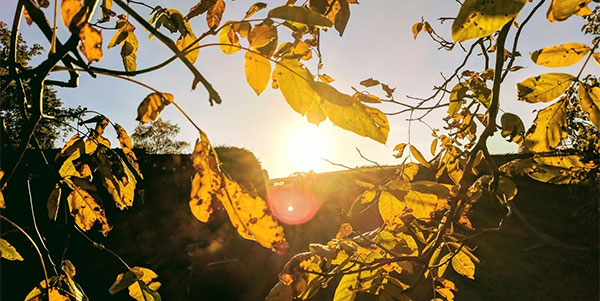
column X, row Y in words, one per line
column 306, row 148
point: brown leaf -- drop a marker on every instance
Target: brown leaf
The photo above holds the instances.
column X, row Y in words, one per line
column 215, row 14
column 200, row 8
column 344, row 231
column 27, row 16
column 85, row 210
column 416, row 28
column 370, row 82
column 127, row 148
column 388, row 91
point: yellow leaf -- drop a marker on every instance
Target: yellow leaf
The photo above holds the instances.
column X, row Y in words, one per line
column 463, row 265
column 367, row 196
column 118, row 38
column 589, row 100
column 422, row 204
column 299, row 14
column 549, row 128
column 345, row 290
column 258, row 71
column 360, row 119
column 560, row 55
column 399, row 149
column 53, row 202
column 115, row 177
column 69, row 9
column 418, row 156
column 256, row 7
column 339, row 15
column 326, row 78
column 481, row 18
column 512, row 127
column 390, row 207
column 27, row 16
column 315, row 114
column 215, row 14
column 7, row 251
column 129, row 52
column 184, row 41
column 91, row 40
column 456, row 98
column 86, row 211
column 446, row 293
column 433, row 146
column 243, row 28
column 344, row 231
column 416, row 28
column 204, row 182
column 228, row 36
column 2, row 203
column 560, row 10
column 151, row 107
column 261, row 35
column 442, row 269
column 597, row 58
column 331, row 94
column 294, row 82
column 127, row 148
column 409, row 171
column 544, row 88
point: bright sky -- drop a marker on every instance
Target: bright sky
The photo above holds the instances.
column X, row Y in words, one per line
column 377, row 43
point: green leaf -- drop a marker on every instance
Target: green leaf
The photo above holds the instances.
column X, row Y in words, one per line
column 481, row 18
column 258, row 71
column 299, row 14
column 512, row 127
column 360, row 119
column 294, row 81
column 390, row 207
column 7, row 251
column 418, row 156
column 544, row 88
column 463, row 265
column 560, row 55
column 256, row 7
column 550, row 125
column 589, row 100
column 331, row 94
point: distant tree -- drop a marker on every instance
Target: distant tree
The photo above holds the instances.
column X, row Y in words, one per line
column 158, row 137
column 13, row 112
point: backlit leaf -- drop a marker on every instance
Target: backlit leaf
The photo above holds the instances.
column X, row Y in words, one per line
column 399, row 149
column 144, row 289
column 345, row 290
column 463, row 265
column 258, row 71
column 512, row 127
column 69, row 9
column 228, row 36
column 127, row 148
column 326, row 78
column 433, row 146
column 91, row 40
column 27, row 16
column 418, row 156
column 129, row 52
column 2, row 202
column 86, row 211
column 261, row 35
column 560, row 55
column 422, row 204
column 589, row 100
column 315, row 114
column 151, row 107
column 301, row 15
column 360, row 119
column 481, row 18
column 186, row 40
column 294, row 82
column 53, row 202
column 339, row 15
column 115, row 177
column 416, row 28
column 456, row 98
column 596, row 57
column 256, row 7
column 389, row 207
column 331, row 94
column 215, row 14
column 442, row 269
column 7, row 251
column 118, row 38
column 544, row 88
column 560, row 10
column 204, row 182
column 242, row 28
column 549, row 128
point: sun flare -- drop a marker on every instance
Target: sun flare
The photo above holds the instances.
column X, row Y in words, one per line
column 306, row 148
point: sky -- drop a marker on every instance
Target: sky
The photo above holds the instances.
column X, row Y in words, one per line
column 377, row 43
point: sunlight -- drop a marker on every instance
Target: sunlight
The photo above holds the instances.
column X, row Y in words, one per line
column 306, row 147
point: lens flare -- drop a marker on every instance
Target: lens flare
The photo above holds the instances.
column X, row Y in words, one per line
column 292, row 206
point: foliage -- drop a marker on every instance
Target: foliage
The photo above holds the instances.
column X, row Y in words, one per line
column 426, row 225
column 13, row 131
column 158, row 137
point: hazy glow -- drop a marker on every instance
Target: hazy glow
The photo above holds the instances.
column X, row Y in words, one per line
column 291, row 208
column 292, row 205
column 306, row 148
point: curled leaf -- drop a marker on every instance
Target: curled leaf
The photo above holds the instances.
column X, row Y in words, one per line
column 215, row 14
column 151, row 107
